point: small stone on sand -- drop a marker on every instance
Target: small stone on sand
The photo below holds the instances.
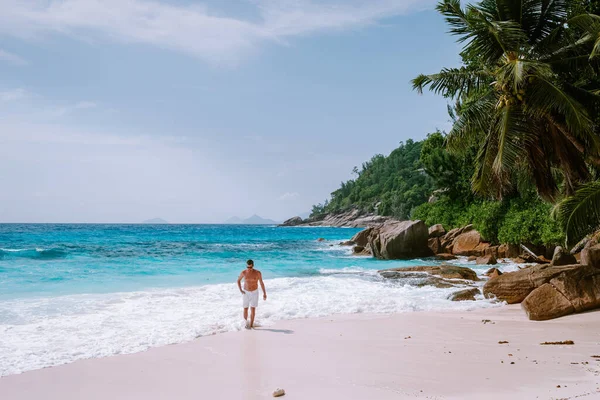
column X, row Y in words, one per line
column 278, row 392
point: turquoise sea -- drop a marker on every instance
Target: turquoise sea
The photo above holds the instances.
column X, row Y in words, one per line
column 70, row 291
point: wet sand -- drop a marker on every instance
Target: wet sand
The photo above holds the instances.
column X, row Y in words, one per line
column 422, row 355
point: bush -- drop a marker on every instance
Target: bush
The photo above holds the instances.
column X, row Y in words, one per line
column 528, row 221
column 511, row 221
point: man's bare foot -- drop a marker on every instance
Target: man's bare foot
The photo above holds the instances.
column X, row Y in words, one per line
column 247, row 326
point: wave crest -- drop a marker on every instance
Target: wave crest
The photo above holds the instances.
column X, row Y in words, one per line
column 42, row 254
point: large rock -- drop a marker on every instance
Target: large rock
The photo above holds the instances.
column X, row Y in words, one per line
column 400, row 240
column 590, row 255
column 465, row 294
column 469, row 244
column 434, row 245
column 545, row 303
column 443, row 271
column 449, row 237
column 362, row 237
column 292, row 221
column 575, row 290
column 561, row 257
column 513, row 287
column 436, row 230
column 487, row 260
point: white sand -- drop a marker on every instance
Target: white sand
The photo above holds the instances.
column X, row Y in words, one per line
column 448, row 356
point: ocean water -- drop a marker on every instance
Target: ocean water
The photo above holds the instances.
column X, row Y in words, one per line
column 69, row 292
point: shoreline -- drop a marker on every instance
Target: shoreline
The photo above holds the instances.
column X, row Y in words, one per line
column 427, row 354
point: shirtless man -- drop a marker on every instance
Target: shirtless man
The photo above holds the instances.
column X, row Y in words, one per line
column 251, row 279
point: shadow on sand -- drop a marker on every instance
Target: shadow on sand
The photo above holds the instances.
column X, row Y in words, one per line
column 284, row 331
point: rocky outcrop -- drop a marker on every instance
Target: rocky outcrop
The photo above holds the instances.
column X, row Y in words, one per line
column 436, row 231
column 465, row 295
column 362, row 237
column 561, row 257
column 571, row 291
column 447, row 240
column 294, row 221
column 347, row 243
column 486, row 260
column 590, row 255
column 443, row 271
column 400, row 240
column 434, row 245
column 514, row 287
column 444, row 276
column 469, row 244
column 354, row 218
column 465, row 241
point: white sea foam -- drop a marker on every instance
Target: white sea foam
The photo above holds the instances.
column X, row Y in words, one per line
column 38, row 333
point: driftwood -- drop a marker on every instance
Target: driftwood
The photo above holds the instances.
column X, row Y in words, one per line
column 535, row 257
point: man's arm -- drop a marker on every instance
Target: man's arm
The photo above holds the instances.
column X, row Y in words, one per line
column 239, row 282
column 262, row 285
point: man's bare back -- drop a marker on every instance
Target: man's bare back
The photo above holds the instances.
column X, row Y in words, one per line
column 251, row 279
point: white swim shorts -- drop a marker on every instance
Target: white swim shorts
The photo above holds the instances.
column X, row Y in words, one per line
column 251, row 298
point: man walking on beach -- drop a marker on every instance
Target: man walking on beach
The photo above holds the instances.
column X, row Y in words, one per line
column 251, row 279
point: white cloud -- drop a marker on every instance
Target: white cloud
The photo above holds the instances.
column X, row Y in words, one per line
column 12, row 58
column 196, row 30
column 288, row 196
column 13, row 94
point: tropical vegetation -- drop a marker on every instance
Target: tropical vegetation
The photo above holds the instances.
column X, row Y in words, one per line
column 525, row 138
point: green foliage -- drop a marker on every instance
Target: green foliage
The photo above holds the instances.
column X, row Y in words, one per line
column 451, row 173
column 451, row 214
column 391, row 185
column 528, row 222
column 515, row 221
column 527, row 94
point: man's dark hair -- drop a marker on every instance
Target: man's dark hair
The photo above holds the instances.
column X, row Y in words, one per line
column 250, row 262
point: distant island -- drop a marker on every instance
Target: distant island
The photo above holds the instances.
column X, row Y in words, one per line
column 253, row 220
column 155, row 221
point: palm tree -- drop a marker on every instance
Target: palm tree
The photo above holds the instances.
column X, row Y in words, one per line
column 527, row 94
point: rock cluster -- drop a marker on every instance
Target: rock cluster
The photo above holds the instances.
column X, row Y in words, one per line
column 440, row 276
column 393, row 240
column 294, row 221
column 548, row 291
column 353, row 218
column 571, row 291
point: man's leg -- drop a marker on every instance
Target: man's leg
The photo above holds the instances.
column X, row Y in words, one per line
column 252, row 312
column 246, row 316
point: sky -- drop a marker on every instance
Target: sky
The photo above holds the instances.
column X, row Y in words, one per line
column 196, row 111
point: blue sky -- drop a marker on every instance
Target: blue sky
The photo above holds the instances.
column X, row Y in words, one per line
column 124, row 110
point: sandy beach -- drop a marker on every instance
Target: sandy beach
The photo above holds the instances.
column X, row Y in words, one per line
column 428, row 355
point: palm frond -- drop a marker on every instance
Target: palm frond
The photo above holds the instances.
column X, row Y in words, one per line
column 452, row 82
column 473, row 120
column 546, row 98
column 580, row 214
